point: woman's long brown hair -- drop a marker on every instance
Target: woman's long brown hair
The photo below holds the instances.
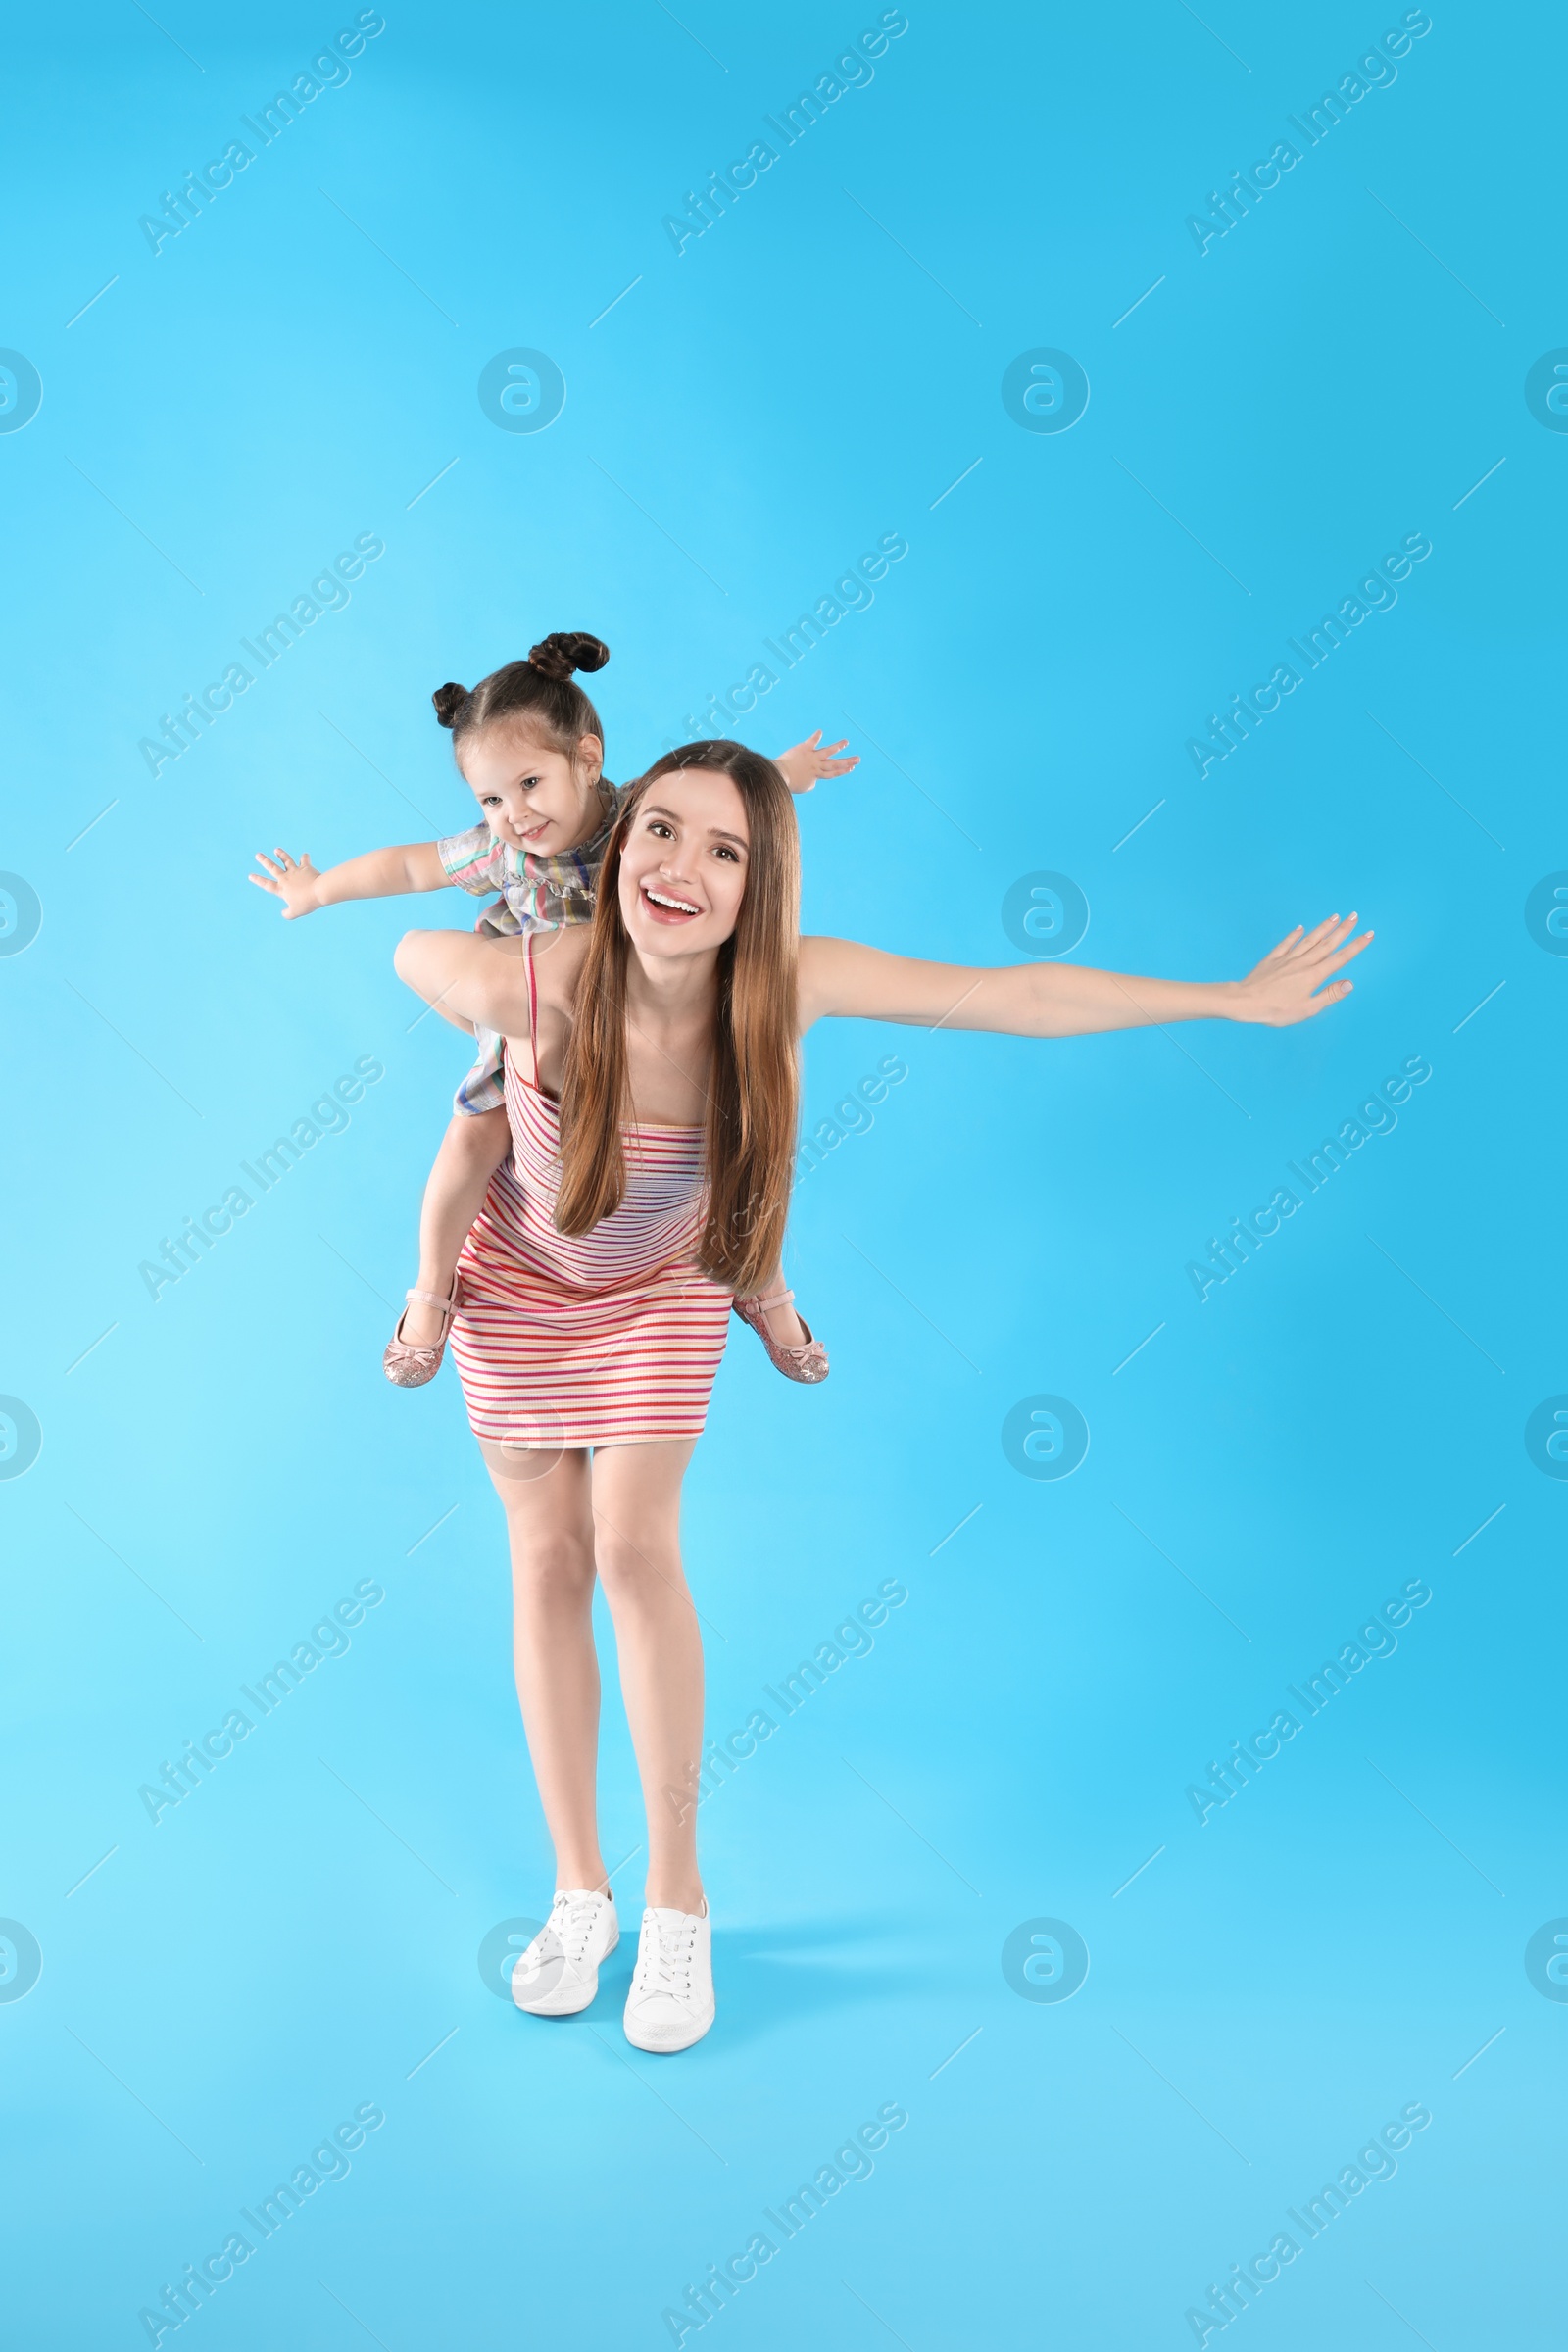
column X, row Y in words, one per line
column 752, row 1082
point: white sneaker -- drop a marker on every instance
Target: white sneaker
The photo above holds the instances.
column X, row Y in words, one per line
column 671, row 2004
column 559, row 1973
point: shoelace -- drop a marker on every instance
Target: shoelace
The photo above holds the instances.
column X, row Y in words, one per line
column 572, row 1926
column 668, row 1966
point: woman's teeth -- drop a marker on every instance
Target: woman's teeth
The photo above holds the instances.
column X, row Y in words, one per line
column 663, row 899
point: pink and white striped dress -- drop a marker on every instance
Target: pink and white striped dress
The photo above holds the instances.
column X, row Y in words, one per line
column 608, row 1338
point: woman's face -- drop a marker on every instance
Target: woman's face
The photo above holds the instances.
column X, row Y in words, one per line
column 530, row 797
column 683, row 871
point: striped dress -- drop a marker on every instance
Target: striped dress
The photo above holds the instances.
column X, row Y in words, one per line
column 605, row 1338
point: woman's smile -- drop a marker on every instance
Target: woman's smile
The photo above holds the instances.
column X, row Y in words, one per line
column 666, row 905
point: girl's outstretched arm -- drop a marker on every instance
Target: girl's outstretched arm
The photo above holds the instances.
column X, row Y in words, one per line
column 1294, row 980
column 378, row 874
column 804, row 762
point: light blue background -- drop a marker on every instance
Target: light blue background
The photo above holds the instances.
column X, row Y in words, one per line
column 1339, row 1417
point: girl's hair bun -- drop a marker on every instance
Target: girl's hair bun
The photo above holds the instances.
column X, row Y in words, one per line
column 539, row 694
column 557, row 656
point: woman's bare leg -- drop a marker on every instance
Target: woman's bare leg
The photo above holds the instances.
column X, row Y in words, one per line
column 636, row 1509
column 549, row 1528
column 472, row 1149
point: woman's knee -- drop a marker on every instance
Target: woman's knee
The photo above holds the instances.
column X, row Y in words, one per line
column 552, row 1565
column 637, row 1572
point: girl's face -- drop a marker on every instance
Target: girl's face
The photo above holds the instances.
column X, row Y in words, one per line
column 683, row 871
column 533, row 798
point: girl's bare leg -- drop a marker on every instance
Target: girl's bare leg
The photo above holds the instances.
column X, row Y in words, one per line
column 783, row 1322
column 636, row 1512
column 472, row 1149
column 551, row 1531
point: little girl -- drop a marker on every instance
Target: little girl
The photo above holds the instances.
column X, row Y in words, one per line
column 530, row 744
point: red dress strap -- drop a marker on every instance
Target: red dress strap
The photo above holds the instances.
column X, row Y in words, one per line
column 534, row 1006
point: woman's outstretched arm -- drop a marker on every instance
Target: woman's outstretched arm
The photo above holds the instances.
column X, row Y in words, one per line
column 1294, row 980
column 467, row 979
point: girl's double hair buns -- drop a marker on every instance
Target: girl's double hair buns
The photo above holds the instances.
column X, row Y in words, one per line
column 540, row 690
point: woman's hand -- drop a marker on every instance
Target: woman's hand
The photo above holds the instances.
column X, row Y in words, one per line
column 1287, row 986
column 293, row 880
column 803, row 763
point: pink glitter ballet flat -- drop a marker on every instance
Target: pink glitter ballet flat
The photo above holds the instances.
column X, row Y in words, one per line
column 809, row 1362
column 410, row 1367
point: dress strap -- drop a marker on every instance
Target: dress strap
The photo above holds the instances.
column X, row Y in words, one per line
column 534, row 1006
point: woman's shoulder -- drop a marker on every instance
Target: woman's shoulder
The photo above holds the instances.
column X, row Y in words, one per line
column 822, row 955
column 815, row 977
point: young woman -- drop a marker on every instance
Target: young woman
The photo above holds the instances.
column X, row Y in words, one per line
column 530, row 746
column 650, row 1085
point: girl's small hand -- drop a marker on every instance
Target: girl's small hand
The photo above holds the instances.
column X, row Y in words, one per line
column 293, row 880
column 1287, row 986
column 804, row 762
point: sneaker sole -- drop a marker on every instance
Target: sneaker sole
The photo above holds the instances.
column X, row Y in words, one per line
column 555, row 2004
